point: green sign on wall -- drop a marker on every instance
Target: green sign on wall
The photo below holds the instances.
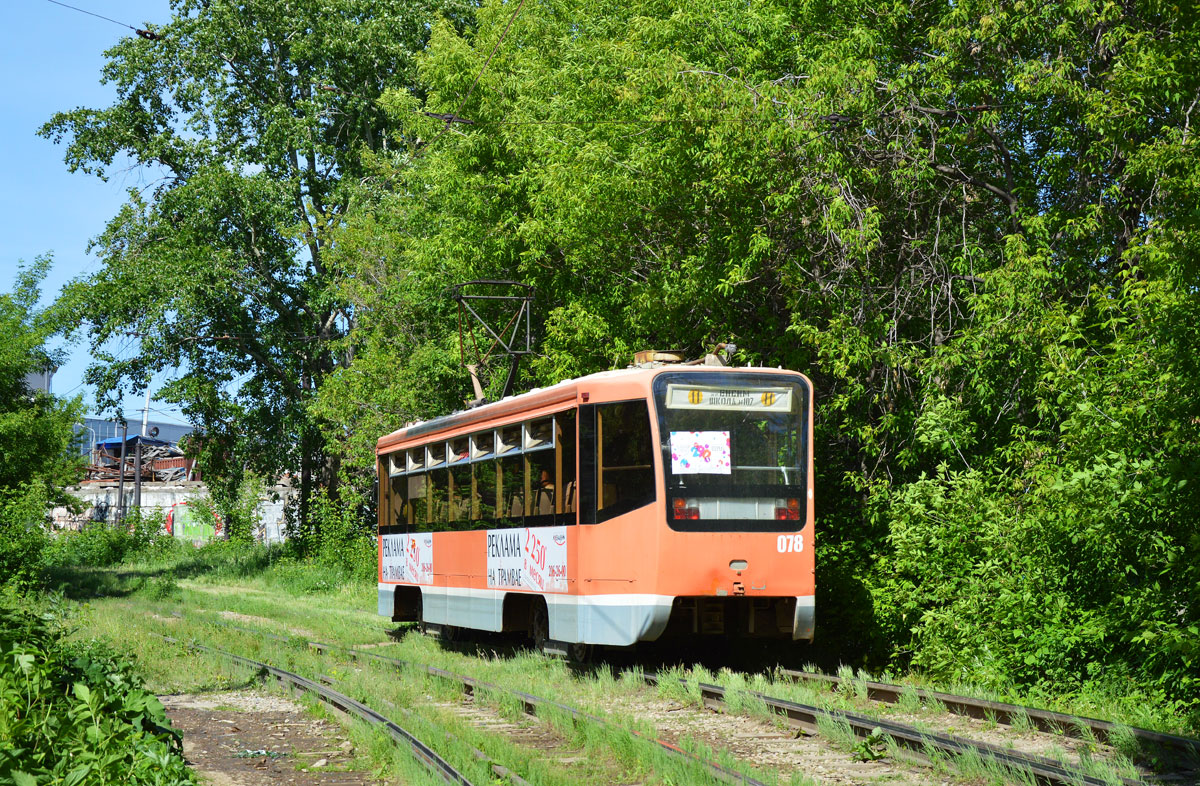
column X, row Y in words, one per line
column 196, row 525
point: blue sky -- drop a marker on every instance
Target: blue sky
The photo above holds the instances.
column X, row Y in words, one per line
column 52, row 57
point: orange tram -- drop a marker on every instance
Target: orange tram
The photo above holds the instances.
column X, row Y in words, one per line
column 621, row 507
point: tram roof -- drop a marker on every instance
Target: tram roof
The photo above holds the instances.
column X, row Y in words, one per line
column 562, row 392
column 541, row 398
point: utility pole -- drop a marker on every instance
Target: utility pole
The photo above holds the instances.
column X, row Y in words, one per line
column 137, row 474
column 121, row 482
column 92, row 450
column 137, row 456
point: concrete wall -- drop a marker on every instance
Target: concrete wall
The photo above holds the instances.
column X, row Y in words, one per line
column 101, row 504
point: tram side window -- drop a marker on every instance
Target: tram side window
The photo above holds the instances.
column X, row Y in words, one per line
column 616, row 457
column 542, row 488
column 501, row 477
column 398, row 507
column 418, row 502
column 438, row 483
column 485, row 491
column 383, row 495
column 566, row 480
column 512, row 492
column 462, row 497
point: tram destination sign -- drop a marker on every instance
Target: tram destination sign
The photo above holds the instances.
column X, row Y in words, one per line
column 762, row 399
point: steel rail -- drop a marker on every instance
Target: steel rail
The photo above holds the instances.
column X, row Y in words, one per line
column 1184, row 749
column 497, row 769
column 346, row 705
column 1045, row 771
column 1048, row 772
column 530, row 702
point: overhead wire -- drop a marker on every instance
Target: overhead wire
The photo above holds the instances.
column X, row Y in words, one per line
column 455, row 117
column 235, row 337
column 121, row 349
column 170, row 413
column 629, row 121
column 149, row 35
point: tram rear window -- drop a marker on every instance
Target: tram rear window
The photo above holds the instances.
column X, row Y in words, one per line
column 735, row 452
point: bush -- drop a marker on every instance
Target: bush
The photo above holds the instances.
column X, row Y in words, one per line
column 100, row 544
column 999, row 585
column 239, row 511
column 161, row 588
column 148, row 533
column 77, row 714
column 346, row 536
column 22, row 534
column 97, row 545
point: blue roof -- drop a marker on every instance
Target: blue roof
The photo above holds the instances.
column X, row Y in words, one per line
column 107, row 433
column 132, row 439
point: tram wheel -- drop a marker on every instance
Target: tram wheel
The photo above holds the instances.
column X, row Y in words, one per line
column 539, row 626
column 578, row 652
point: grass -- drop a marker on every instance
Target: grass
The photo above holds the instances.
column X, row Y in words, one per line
column 137, row 605
column 980, row 769
column 1103, row 699
column 197, row 594
column 909, row 702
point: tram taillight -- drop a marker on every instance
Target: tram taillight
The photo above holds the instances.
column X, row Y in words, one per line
column 680, row 510
column 788, row 512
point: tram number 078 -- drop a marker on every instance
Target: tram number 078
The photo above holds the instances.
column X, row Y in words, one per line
column 790, row 543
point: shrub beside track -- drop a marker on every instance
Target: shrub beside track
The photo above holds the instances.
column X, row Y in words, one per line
column 76, row 714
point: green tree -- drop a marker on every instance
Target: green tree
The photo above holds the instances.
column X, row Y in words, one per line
column 37, row 456
column 973, row 224
column 248, row 119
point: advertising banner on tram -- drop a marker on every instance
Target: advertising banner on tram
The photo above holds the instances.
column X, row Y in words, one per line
column 533, row 558
column 407, row 558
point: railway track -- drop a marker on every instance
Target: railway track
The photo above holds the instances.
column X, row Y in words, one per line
column 470, row 685
column 1179, row 750
column 807, row 717
column 350, row 707
column 924, row 744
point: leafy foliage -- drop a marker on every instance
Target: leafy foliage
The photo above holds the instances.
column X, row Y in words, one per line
column 100, row 544
column 347, row 539
column 238, row 512
column 1065, row 553
column 36, row 436
column 972, row 224
column 253, row 115
column 76, row 714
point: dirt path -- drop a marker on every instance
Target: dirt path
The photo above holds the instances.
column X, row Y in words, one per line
column 247, row 738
